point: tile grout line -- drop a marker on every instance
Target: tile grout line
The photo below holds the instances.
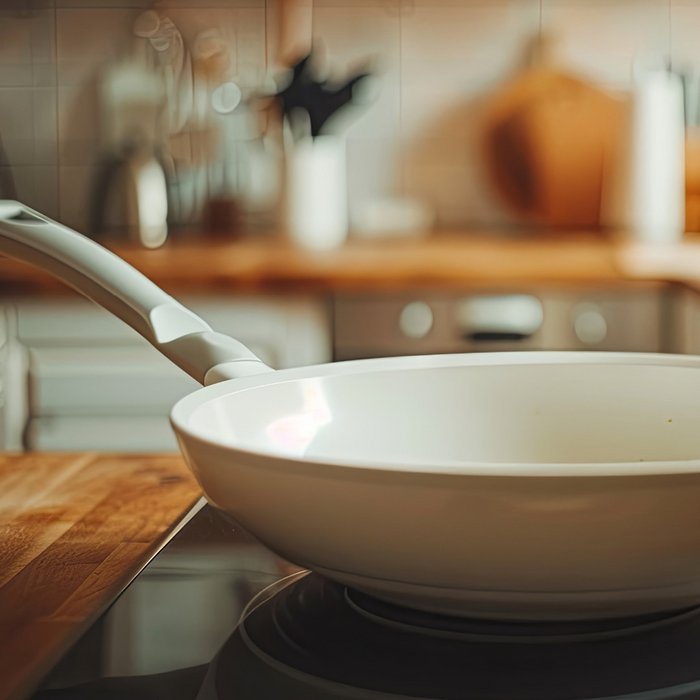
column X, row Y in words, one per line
column 670, row 32
column 267, row 43
column 32, row 57
column 400, row 156
column 58, row 212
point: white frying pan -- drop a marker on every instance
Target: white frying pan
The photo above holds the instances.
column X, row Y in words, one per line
column 513, row 485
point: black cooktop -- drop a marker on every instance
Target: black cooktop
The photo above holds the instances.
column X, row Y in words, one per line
column 157, row 638
column 216, row 616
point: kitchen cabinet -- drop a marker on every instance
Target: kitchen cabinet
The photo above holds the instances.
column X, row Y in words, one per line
column 79, row 378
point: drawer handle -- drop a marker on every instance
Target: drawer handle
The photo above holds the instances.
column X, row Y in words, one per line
column 496, row 336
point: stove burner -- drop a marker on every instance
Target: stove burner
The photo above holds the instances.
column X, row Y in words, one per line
column 434, row 624
column 316, row 640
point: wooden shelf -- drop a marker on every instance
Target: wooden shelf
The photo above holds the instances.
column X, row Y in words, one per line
column 448, row 261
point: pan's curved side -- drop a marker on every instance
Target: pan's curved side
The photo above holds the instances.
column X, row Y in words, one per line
column 530, row 548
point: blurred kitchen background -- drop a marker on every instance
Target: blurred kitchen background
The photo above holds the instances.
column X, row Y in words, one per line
column 163, row 124
column 438, row 66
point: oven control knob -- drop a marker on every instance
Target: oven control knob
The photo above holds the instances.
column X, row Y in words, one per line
column 416, row 319
column 590, row 325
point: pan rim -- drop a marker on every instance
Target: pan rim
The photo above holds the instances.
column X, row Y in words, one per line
column 182, row 411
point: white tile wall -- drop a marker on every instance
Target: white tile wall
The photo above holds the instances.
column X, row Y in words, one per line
column 243, row 28
column 75, row 182
column 453, row 53
column 37, row 186
column 373, row 170
column 27, row 45
column 28, row 101
column 685, row 42
column 78, row 123
column 16, row 125
column 44, row 126
column 601, row 39
column 16, row 49
column 355, row 36
column 451, row 56
column 89, row 38
column 352, row 38
column 436, row 60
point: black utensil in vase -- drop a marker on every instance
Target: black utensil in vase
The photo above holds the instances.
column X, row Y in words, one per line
column 317, row 100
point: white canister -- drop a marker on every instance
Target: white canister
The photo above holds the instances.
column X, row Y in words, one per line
column 648, row 197
column 317, row 209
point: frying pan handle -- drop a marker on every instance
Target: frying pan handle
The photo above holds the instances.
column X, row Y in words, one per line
column 111, row 282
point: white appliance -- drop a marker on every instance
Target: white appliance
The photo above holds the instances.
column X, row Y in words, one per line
column 622, row 319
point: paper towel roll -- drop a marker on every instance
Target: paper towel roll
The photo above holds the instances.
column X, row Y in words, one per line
column 649, row 192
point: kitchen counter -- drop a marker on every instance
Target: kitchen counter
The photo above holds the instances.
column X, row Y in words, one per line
column 76, row 528
column 448, row 261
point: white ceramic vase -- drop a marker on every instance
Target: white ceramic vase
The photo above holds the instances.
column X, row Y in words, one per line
column 317, row 209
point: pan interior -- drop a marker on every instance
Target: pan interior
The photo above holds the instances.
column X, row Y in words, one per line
column 450, row 416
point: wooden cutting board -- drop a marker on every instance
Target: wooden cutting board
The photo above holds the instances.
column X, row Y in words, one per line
column 549, row 140
column 74, row 530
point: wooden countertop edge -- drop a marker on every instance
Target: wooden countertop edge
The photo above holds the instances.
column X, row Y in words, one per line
column 77, row 528
column 442, row 263
column 73, row 631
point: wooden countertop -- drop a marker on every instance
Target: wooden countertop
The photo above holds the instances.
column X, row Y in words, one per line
column 74, row 530
column 271, row 264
